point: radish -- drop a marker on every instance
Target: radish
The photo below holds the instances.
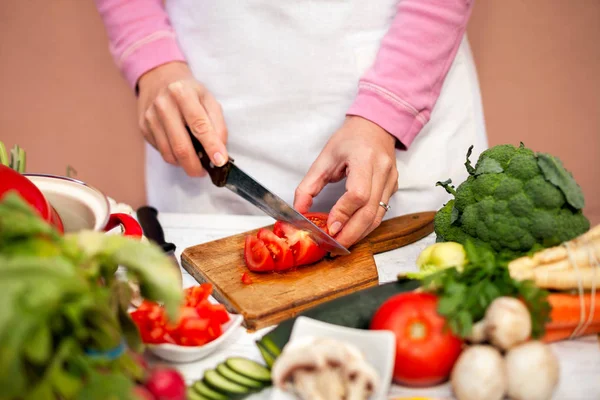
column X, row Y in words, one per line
column 166, row 384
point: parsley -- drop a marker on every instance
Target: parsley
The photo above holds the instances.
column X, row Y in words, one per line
column 464, row 296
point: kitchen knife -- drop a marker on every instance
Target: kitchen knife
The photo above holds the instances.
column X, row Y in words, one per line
column 148, row 219
column 240, row 183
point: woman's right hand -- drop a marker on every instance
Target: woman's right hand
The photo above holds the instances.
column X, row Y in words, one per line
column 170, row 98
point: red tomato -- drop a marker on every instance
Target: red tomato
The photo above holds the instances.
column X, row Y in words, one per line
column 257, row 255
column 246, row 280
column 279, row 249
column 426, row 350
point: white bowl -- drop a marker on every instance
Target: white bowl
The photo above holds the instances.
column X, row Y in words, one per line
column 181, row 354
column 379, row 348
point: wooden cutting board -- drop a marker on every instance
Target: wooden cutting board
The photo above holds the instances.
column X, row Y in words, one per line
column 274, row 297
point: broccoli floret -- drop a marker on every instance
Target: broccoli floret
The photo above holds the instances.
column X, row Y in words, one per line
column 515, row 201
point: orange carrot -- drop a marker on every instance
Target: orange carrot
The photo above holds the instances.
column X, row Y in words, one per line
column 566, row 310
column 557, row 334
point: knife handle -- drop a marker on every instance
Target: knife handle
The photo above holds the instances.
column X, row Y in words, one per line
column 148, row 218
column 218, row 175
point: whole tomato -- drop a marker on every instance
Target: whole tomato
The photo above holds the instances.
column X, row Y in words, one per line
column 426, row 349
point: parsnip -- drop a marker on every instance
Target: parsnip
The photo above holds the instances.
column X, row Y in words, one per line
column 569, row 279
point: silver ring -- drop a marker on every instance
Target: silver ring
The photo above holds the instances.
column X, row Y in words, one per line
column 382, row 204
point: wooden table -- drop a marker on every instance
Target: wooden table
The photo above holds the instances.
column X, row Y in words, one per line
column 579, row 359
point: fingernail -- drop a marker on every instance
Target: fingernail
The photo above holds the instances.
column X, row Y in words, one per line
column 177, row 86
column 335, row 228
column 219, row 159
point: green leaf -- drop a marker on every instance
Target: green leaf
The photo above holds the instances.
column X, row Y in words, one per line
column 454, row 214
column 153, row 270
column 488, row 166
column 39, row 346
column 106, row 386
column 555, row 173
column 465, row 322
column 3, row 155
column 447, row 305
column 447, row 185
column 468, row 165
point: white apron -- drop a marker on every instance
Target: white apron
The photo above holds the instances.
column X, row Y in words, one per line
column 285, row 73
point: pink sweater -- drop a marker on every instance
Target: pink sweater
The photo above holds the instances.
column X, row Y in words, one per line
column 398, row 92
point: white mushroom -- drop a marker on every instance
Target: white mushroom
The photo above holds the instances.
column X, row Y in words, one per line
column 479, row 374
column 533, row 371
column 507, row 322
column 321, row 368
column 478, row 334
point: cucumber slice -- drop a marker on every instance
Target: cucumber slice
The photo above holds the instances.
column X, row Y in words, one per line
column 233, row 376
column 201, row 388
column 266, row 355
column 216, row 381
column 192, row 394
column 249, row 368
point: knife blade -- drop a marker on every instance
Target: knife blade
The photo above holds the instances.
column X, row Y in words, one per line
column 148, row 219
column 242, row 184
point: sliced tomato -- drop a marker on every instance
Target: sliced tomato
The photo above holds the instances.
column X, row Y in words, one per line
column 257, row 256
column 279, row 248
column 196, row 294
column 305, row 251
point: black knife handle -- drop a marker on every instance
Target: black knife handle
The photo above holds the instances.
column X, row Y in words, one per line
column 148, row 219
column 218, row 175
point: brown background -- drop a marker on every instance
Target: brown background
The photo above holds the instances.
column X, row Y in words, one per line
column 64, row 101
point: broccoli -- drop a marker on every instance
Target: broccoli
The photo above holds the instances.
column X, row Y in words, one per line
column 514, row 202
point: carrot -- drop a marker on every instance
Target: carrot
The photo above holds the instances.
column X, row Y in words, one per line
column 558, row 334
column 566, row 310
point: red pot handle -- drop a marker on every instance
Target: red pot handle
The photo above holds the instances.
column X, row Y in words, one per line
column 130, row 226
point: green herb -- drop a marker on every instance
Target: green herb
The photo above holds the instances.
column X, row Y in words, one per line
column 62, row 305
column 464, row 296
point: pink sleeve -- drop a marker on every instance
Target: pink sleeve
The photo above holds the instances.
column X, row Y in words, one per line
column 140, row 36
column 399, row 91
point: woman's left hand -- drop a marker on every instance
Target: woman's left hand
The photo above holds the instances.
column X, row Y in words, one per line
column 363, row 152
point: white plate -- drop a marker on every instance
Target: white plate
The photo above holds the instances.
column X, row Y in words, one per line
column 379, row 348
column 182, row 354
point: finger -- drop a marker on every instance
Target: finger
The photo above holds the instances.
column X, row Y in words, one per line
column 390, row 189
column 196, row 117
column 170, row 117
column 370, row 216
column 313, row 182
column 359, row 185
column 215, row 113
column 159, row 137
column 146, row 129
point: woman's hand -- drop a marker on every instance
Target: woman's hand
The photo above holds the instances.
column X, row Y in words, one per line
column 169, row 99
column 365, row 153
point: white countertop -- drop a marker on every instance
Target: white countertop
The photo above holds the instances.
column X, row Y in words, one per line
column 579, row 359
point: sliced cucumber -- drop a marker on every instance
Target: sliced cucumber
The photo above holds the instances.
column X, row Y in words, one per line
column 233, row 376
column 192, row 394
column 249, row 368
column 266, row 355
column 218, row 382
column 202, row 389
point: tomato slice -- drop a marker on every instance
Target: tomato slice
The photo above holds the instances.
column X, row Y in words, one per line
column 304, row 249
column 279, row 248
column 246, row 280
column 257, row 256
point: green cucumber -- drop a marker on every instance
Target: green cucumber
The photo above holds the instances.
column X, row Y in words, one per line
column 202, row 389
column 233, row 376
column 192, row 394
column 249, row 368
column 266, row 355
column 219, row 383
column 354, row 310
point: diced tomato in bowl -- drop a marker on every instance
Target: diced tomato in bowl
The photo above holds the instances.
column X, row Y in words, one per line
column 199, row 329
column 285, row 247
